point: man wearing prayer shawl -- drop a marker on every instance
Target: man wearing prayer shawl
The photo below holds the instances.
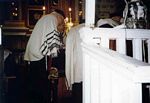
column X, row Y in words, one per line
column 44, row 42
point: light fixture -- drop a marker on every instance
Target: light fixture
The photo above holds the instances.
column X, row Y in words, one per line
column 69, row 22
column 44, row 10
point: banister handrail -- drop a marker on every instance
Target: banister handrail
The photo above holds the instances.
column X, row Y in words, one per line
column 127, row 63
column 103, row 35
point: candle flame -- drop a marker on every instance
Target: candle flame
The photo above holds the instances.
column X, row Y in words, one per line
column 70, row 9
column 43, row 8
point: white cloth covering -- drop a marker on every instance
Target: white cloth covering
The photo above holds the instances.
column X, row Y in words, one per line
column 44, row 29
column 74, row 63
column 106, row 21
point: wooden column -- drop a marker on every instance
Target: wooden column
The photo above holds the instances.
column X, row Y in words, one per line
column 83, row 9
column 0, row 35
column 89, row 13
column 1, row 72
column 76, row 11
column 20, row 9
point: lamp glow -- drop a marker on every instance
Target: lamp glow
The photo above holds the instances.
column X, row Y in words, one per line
column 43, row 10
column 70, row 9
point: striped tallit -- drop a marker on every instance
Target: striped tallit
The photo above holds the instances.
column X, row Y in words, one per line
column 51, row 44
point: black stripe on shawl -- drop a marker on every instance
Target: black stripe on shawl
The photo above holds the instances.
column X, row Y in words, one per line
column 49, row 40
column 52, row 40
column 52, row 32
column 50, row 37
column 43, row 46
column 53, row 45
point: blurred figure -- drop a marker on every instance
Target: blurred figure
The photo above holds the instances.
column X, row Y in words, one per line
column 135, row 14
column 74, row 63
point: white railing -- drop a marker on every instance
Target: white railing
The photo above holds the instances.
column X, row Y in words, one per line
column 104, row 35
column 109, row 76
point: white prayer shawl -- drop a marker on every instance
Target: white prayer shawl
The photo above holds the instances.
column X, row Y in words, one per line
column 44, row 39
column 74, row 59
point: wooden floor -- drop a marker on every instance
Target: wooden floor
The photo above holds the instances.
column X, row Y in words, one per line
column 16, row 91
